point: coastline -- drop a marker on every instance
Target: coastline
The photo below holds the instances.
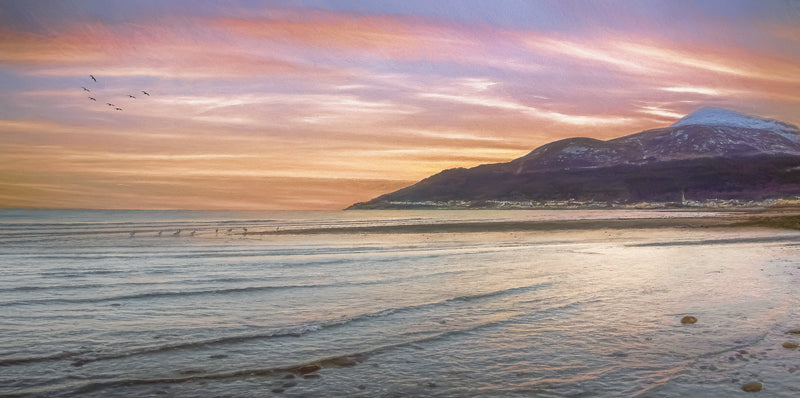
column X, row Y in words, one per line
column 572, row 204
column 788, row 218
column 559, row 294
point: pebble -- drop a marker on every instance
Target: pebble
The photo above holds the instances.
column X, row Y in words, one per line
column 305, row 369
column 753, row 386
column 341, row 361
column 688, row 320
column 278, row 390
column 789, row 345
column 311, row 376
column 794, row 331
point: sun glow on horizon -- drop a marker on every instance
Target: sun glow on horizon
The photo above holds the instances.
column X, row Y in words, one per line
column 275, row 105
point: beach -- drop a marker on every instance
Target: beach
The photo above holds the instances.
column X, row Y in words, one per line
column 783, row 219
column 398, row 303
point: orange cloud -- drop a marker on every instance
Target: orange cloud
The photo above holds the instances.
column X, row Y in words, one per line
column 286, row 107
column 166, row 48
column 408, row 38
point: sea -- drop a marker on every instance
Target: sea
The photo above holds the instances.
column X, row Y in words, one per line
column 108, row 303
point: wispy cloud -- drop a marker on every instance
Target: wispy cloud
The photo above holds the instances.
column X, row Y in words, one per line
column 530, row 111
column 302, row 98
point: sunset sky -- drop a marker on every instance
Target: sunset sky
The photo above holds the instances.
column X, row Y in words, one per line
column 319, row 104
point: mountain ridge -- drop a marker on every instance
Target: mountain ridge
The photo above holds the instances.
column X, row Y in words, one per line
column 710, row 152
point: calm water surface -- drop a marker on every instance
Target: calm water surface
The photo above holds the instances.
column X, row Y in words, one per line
column 118, row 304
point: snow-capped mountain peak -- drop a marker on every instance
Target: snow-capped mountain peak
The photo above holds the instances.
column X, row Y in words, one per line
column 711, row 116
column 711, row 153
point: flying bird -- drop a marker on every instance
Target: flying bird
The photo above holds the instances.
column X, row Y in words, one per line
column 95, row 80
column 110, row 104
column 131, row 96
column 146, row 93
column 119, row 109
column 86, row 89
column 92, row 98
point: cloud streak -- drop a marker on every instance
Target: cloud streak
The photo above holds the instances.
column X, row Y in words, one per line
column 292, row 101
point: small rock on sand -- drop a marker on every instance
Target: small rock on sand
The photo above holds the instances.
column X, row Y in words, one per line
column 305, row 369
column 341, row 361
column 753, row 386
column 789, row 345
column 794, row 331
column 688, row 320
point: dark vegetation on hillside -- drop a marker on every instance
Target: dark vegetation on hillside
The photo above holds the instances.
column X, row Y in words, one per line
column 753, row 178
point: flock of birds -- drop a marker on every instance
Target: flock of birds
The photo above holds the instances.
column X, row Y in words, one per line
column 115, row 107
column 178, row 232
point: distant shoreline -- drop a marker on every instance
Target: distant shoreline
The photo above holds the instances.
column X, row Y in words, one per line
column 707, row 204
column 778, row 219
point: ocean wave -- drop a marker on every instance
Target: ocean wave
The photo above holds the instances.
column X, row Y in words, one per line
column 164, row 294
column 292, row 332
column 32, row 288
column 306, row 367
column 42, row 358
column 305, row 329
column 766, row 239
column 189, row 293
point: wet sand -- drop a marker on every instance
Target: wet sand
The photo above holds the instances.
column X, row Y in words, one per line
column 779, row 219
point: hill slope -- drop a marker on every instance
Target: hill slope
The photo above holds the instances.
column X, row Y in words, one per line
column 711, row 153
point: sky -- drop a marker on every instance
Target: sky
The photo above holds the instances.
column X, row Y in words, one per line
column 320, row 104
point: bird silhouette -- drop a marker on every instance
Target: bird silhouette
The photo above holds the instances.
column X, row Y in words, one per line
column 119, row 109
column 95, row 80
column 177, row 233
column 85, row 89
column 146, row 93
column 131, row 96
column 92, row 98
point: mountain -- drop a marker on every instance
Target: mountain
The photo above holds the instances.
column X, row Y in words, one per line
column 712, row 153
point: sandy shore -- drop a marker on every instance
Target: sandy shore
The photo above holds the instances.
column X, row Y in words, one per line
column 780, row 219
